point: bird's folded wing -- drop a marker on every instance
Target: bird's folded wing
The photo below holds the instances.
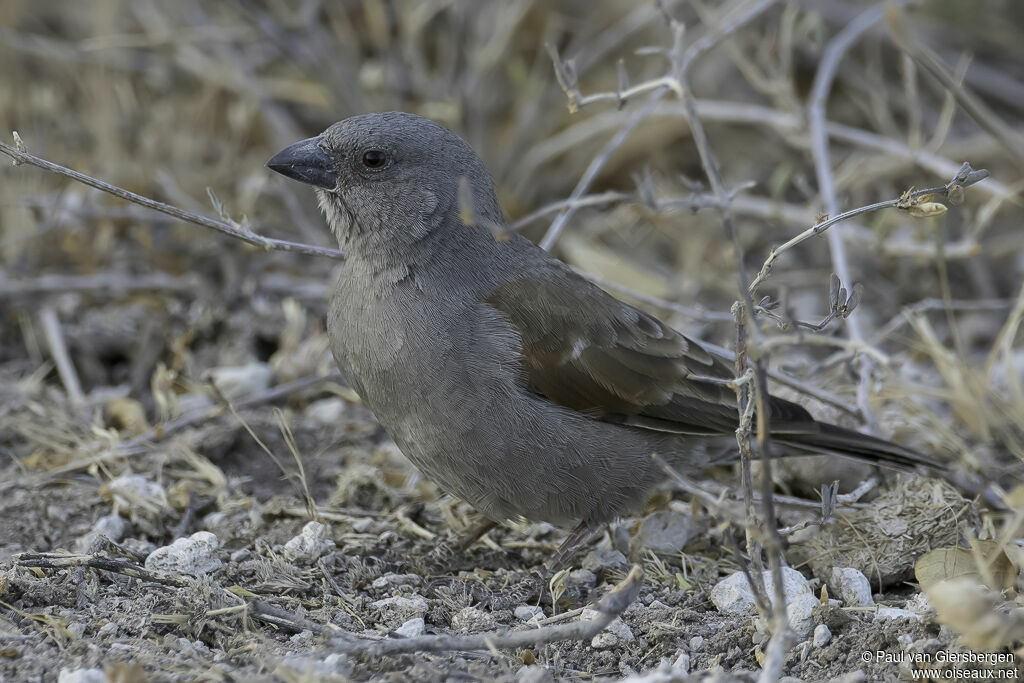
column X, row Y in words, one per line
column 588, row 351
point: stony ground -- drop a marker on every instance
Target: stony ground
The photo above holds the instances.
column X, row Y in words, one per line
column 331, row 540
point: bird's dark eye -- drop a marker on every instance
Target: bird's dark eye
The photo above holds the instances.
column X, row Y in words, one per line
column 374, row 158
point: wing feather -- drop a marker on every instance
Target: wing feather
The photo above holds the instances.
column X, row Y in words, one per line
column 588, row 351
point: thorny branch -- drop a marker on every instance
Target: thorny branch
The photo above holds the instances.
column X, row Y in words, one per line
column 613, row 604
column 234, row 229
column 916, row 202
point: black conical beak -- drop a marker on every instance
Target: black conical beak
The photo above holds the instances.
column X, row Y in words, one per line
column 306, row 162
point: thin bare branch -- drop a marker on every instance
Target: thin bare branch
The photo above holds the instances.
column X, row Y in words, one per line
column 613, row 604
column 20, row 156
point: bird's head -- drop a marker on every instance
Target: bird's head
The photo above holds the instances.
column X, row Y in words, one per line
column 390, row 177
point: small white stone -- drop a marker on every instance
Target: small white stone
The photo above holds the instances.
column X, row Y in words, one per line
column 195, row 555
column 81, row 676
column 412, row 628
column 336, row 663
column 665, row 532
column 333, row 666
column 527, row 612
column 822, row 636
column 581, row 577
column 328, row 412
column 696, row 643
column 733, row 595
column 76, row 629
column 604, row 558
column 895, row 613
column 614, row 633
column 132, row 490
column 239, row 381
column 309, row 545
column 240, row 555
column 534, row 673
column 112, row 527
column 302, row 637
column 800, row 613
column 391, row 580
column 851, row 586
column 399, row 609
column 682, row 663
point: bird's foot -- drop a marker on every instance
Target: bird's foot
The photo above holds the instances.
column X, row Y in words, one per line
column 516, row 594
column 440, row 559
column 446, row 555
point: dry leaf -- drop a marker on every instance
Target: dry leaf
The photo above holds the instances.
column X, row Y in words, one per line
column 943, row 564
column 927, row 210
column 971, row 610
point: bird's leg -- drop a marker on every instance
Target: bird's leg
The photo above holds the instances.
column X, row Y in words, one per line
column 534, row 586
column 439, row 559
column 576, row 539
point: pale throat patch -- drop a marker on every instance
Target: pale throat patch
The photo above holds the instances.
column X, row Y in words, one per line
column 339, row 221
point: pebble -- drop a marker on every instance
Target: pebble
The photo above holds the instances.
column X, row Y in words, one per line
column 239, row 381
column 309, row 545
column 895, row 613
column 733, row 595
column 665, row 532
column 109, row 526
column 81, row 676
column 528, row 612
column 851, row 586
column 581, row 578
column 822, row 636
column 534, row 673
column 333, row 665
column 129, row 489
column 391, row 580
column 604, row 559
column 412, row 628
column 328, row 412
column 240, row 556
column 400, row 608
column 615, row 633
column 195, row 555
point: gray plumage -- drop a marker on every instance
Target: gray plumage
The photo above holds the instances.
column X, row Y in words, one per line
column 509, row 380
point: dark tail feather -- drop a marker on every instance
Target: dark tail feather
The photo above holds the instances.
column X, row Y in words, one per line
column 841, row 441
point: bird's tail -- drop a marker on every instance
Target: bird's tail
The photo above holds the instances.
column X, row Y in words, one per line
column 832, row 439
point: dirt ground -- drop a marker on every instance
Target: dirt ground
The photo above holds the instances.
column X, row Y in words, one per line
column 380, row 517
column 189, row 492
